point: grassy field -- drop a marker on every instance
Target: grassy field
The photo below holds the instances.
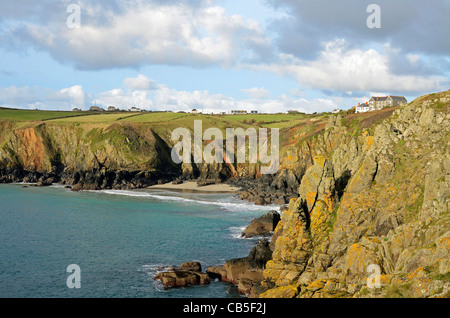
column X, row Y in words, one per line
column 260, row 120
column 169, row 120
column 35, row 115
column 95, row 118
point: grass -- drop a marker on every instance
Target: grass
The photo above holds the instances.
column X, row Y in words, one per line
column 35, row 115
column 154, row 117
column 98, row 118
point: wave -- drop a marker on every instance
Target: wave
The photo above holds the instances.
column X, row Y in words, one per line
column 226, row 203
column 236, row 231
column 153, row 270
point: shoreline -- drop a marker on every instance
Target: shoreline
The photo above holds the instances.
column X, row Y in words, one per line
column 192, row 186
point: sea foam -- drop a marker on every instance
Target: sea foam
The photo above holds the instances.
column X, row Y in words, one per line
column 230, row 204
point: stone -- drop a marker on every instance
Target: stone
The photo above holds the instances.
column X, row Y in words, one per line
column 289, row 291
column 191, row 266
column 182, row 278
column 186, row 275
column 262, row 225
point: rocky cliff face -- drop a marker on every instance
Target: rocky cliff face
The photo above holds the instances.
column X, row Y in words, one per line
column 372, row 218
column 95, row 156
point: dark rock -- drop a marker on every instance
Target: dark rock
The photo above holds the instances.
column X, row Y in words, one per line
column 187, row 274
column 263, row 225
column 260, row 255
column 177, row 278
column 44, row 182
column 245, row 272
column 191, row 266
column 260, row 201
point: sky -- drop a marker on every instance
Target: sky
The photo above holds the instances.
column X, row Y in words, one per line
column 220, row 55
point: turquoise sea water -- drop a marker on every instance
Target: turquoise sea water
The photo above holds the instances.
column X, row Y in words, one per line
column 119, row 239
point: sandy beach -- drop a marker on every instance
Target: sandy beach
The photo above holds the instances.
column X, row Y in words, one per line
column 191, row 186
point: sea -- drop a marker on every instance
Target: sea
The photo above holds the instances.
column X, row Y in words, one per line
column 117, row 239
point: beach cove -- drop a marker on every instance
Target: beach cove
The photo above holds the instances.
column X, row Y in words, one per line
column 120, row 239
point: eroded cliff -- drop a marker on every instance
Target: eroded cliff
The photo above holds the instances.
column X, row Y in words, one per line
column 372, row 218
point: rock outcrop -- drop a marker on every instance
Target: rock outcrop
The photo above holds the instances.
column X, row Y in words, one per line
column 371, row 219
column 187, row 274
column 245, row 272
column 263, row 225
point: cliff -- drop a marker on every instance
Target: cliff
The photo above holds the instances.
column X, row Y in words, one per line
column 93, row 156
column 372, row 217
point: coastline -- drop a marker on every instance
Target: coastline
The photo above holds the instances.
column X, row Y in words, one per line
column 191, row 186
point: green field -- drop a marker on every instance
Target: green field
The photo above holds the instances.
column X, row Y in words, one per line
column 35, row 115
column 95, row 118
column 258, row 120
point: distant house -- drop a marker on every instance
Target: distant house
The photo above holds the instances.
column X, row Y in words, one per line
column 135, row 109
column 377, row 103
column 194, row 111
column 76, row 110
column 335, row 111
column 292, row 111
column 362, row 108
column 254, row 112
column 96, row 109
column 238, row 112
column 112, row 109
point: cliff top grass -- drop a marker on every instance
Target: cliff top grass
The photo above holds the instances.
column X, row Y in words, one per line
column 35, row 115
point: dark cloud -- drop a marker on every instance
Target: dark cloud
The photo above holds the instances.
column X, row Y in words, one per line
column 412, row 25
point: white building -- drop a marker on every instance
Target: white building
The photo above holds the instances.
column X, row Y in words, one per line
column 362, row 108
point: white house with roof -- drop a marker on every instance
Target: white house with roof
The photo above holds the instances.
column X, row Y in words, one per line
column 362, row 108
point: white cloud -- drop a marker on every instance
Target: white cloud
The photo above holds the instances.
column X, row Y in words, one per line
column 148, row 33
column 340, row 68
column 141, row 82
column 257, row 92
column 162, row 97
column 42, row 98
column 159, row 97
column 171, row 99
column 125, row 99
column 10, row 96
column 74, row 94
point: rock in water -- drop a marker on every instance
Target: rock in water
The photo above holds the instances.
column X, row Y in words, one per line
column 263, row 225
column 186, row 275
column 191, row 266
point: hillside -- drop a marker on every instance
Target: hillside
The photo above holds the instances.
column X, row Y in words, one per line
column 112, row 150
column 376, row 196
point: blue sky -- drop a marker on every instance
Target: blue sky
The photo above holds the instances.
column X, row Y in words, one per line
column 220, row 55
